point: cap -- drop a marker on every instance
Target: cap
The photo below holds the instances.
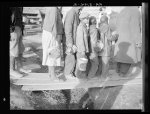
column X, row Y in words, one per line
column 84, row 15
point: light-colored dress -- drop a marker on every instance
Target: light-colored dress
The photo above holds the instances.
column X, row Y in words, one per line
column 52, row 35
column 49, row 42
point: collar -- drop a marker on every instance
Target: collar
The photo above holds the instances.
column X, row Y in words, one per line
column 92, row 26
column 83, row 24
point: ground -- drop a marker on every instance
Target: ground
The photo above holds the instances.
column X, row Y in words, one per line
column 120, row 97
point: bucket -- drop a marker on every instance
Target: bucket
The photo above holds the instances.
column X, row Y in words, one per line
column 82, row 63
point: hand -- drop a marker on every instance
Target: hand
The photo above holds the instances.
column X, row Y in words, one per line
column 138, row 45
column 69, row 50
column 92, row 55
column 74, row 48
column 100, row 44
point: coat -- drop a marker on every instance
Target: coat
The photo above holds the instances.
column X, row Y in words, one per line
column 70, row 26
column 94, row 36
column 82, row 38
column 112, row 21
column 106, row 39
column 128, row 28
column 53, row 21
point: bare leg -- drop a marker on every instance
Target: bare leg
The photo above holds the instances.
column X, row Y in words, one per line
column 93, row 68
column 105, row 66
column 52, row 72
column 18, row 63
column 12, row 63
column 99, row 70
column 13, row 72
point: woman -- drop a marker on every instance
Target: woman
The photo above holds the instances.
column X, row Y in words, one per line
column 51, row 40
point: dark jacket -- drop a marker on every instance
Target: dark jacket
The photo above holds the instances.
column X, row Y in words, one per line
column 16, row 18
column 94, row 36
column 70, row 25
column 53, row 21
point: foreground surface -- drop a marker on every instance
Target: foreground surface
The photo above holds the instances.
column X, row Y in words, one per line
column 120, row 97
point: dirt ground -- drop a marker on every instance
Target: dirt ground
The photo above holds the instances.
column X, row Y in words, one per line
column 120, row 97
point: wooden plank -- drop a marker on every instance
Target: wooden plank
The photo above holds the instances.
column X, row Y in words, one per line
column 40, row 81
column 80, row 85
column 43, row 79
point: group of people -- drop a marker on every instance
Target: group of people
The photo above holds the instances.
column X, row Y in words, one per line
column 86, row 48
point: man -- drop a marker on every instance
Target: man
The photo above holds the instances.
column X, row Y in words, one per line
column 16, row 44
column 82, row 44
column 126, row 51
column 71, row 23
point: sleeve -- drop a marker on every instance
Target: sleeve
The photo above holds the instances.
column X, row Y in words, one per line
column 54, row 20
column 94, row 37
column 85, row 38
column 80, row 40
column 108, row 34
column 135, row 25
column 69, row 29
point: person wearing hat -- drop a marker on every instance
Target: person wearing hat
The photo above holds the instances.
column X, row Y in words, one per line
column 82, row 43
column 106, row 38
column 71, row 23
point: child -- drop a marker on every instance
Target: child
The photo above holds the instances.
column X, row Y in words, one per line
column 82, row 43
column 94, row 36
column 106, row 38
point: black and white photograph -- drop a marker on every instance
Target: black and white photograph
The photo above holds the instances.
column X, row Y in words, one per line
column 76, row 57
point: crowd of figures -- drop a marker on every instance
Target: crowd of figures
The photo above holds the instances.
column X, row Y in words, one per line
column 86, row 47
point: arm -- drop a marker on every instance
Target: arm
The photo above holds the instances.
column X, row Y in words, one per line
column 135, row 27
column 94, row 37
column 85, row 40
column 69, row 29
column 80, row 40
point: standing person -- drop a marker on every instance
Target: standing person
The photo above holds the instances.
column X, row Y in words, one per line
column 129, row 30
column 16, row 45
column 94, row 36
column 103, row 11
column 70, row 25
column 106, row 38
column 51, row 40
column 82, row 44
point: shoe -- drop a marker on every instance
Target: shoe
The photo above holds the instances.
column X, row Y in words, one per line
column 25, row 71
column 15, row 74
